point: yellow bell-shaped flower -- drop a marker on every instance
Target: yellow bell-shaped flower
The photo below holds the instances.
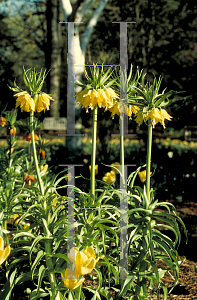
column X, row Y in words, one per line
column 117, row 166
column 142, row 175
column 84, row 261
column 4, row 253
column 25, row 101
column 71, row 279
column 110, row 177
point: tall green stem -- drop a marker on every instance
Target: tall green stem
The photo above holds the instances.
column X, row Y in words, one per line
column 34, row 152
column 93, row 155
column 49, row 262
column 148, row 158
column 122, row 142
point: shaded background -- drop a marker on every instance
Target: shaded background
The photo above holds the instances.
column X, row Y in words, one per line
column 163, row 41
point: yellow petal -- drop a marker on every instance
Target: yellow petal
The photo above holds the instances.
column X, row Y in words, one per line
column 71, row 279
column 1, row 244
column 73, row 253
column 4, row 254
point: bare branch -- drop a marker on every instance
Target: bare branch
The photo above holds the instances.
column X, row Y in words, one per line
column 90, row 27
column 66, row 8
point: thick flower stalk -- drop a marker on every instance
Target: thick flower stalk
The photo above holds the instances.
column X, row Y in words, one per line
column 96, row 169
column 97, row 93
column 30, row 101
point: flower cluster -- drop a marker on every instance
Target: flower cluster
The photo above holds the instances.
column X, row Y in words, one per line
column 91, row 98
column 27, row 103
column 155, row 114
column 128, row 110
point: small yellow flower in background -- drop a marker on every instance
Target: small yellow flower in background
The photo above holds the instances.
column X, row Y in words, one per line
column 25, row 101
column 26, row 226
column 117, row 166
column 16, row 216
column 110, row 177
column 96, row 169
column 142, row 175
column 68, row 177
column 84, row 261
column 4, row 253
column 45, row 168
column 43, row 102
column 71, row 279
column 100, row 97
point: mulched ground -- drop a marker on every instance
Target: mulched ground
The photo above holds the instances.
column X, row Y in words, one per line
column 187, row 284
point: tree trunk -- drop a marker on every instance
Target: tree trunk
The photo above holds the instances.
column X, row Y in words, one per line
column 53, row 54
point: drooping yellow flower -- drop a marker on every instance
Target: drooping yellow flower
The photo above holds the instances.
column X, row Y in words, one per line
column 4, row 253
column 25, row 101
column 96, row 169
column 110, row 177
column 71, row 279
column 164, row 115
column 43, row 102
column 44, row 168
column 128, row 110
column 117, row 166
column 139, row 117
column 115, row 109
column 91, row 98
column 154, row 115
column 142, row 175
column 157, row 116
column 84, row 261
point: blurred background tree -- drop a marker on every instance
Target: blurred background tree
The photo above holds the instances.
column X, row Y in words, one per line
column 162, row 41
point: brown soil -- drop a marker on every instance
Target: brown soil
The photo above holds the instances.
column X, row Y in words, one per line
column 187, row 283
